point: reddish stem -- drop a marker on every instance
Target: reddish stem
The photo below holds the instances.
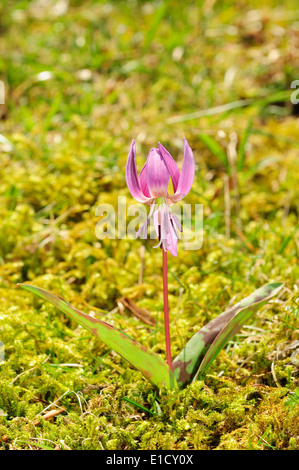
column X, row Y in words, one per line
column 166, row 310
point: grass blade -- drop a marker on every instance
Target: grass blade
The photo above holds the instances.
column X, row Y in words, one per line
column 242, row 146
column 211, row 111
column 137, row 405
column 215, row 148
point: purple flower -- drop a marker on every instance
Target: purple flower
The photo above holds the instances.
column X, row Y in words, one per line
column 152, row 185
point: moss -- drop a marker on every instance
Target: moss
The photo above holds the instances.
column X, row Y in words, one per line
column 63, row 150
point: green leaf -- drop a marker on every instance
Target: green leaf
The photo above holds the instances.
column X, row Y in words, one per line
column 205, row 345
column 147, row 362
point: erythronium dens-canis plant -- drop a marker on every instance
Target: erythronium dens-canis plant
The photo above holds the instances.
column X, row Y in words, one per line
column 151, row 188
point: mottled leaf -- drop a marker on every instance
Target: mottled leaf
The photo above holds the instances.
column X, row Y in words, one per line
column 235, row 325
column 147, row 362
column 204, row 346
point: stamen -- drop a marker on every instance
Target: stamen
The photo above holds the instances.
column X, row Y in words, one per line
column 174, row 228
column 177, row 222
column 159, row 237
column 167, row 224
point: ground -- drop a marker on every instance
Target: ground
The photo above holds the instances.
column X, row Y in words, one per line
column 81, row 80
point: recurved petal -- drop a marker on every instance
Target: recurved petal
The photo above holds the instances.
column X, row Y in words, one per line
column 171, row 166
column 186, row 176
column 131, row 176
column 143, row 182
column 172, row 239
column 142, row 232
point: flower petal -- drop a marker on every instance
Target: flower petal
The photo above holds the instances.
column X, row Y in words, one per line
column 157, row 174
column 131, row 176
column 143, row 183
column 172, row 239
column 186, row 176
column 176, row 222
column 142, row 232
column 171, row 166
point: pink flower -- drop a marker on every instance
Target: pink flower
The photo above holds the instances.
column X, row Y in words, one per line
column 152, row 184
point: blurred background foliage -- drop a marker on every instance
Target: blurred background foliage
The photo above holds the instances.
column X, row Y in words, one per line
column 82, row 79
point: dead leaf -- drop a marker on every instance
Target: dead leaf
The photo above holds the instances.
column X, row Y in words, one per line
column 140, row 313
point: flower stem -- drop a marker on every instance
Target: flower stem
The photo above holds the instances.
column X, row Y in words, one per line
column 166, row 310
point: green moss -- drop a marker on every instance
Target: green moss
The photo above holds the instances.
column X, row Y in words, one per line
column 67, row 143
